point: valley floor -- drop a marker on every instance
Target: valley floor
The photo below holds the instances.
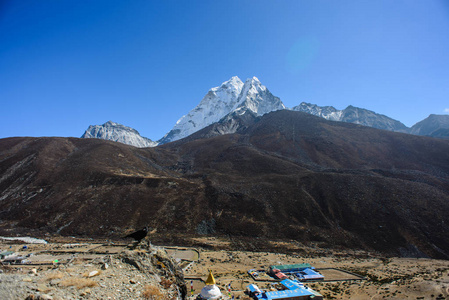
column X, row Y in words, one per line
column 348, row 275
column 380, row 278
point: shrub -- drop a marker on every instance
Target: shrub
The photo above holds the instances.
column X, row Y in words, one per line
column 54, row 275
column 166, row 283
column 79, row 283
column 151, row 292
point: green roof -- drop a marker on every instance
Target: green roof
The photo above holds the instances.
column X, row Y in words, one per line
column 289, row 267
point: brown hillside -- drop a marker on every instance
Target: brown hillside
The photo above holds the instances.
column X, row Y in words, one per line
column 289, row 175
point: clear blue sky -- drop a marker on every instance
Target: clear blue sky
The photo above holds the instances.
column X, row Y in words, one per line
column 65, row 65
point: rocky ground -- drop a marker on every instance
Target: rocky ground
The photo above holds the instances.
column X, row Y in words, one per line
column 143, row 273
column 88, row 269
column 378, row 277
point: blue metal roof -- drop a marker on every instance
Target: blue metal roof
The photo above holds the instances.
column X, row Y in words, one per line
column 295, row 289
column 253, row 288
column 285, row 294
column 292, row 285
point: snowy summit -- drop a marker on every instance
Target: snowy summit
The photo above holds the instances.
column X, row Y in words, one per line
column 233, row 103
column 231, row 96
column 118, row 133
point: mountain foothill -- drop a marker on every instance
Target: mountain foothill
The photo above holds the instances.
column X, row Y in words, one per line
column 259, row 171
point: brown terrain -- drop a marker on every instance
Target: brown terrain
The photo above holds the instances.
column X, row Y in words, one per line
column 68, row 268
column 286, row 176
column 100, row 269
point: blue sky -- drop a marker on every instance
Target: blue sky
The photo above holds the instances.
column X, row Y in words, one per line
column 65, row 65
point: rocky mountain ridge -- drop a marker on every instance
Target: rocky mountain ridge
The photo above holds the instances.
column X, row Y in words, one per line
column 354, row 115
column 116, row 132
column 284, row 175
column 234, row 98
column 434, row 125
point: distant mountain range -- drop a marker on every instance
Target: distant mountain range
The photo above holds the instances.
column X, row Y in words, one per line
column 353, row 115
column 226, row 104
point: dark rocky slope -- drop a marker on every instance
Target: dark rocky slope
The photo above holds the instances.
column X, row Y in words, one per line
column 286, row 175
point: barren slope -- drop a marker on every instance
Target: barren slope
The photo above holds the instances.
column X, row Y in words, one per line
column 288, row 175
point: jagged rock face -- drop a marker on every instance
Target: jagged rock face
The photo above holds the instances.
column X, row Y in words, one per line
column 353, row 114
column 234, row 122
column 257, row 98
column 434, row 125
column 326, row 112
column 148, row 261
column 369, row 118
column 116, row 132
column 232, row 96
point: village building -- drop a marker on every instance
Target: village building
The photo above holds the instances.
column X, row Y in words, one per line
column 301, row 272
column 293, row 290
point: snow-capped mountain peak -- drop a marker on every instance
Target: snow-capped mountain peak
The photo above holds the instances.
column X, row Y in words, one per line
column 257, row 98
column 326, row 112
column 118, row 133
column 253, row 86
column 235, row 104
column 232, row 95
column 233, row 82
column 352, row 114
column 223, row 96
